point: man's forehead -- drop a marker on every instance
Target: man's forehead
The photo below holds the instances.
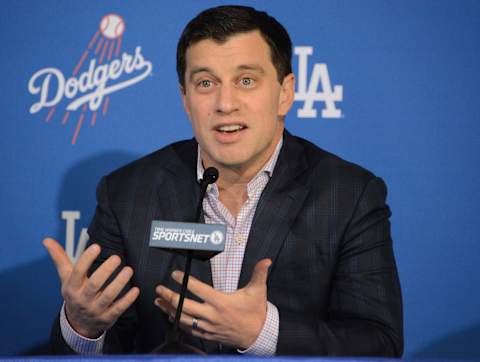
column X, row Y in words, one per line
column 243, row 51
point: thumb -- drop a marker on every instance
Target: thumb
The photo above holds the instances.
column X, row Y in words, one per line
column 260, row 273
column 60, row 258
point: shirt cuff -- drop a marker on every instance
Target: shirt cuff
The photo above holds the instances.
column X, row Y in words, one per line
column 77, row 342
column 266, row 343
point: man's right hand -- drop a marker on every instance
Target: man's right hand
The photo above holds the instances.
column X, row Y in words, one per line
column 90, row 308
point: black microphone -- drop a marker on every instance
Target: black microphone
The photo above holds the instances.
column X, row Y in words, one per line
column 210, row 176
column 173, row 343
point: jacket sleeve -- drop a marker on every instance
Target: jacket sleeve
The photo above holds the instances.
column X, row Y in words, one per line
column 364, row 315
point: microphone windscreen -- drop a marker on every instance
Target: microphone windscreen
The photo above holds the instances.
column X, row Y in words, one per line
column 210, row 175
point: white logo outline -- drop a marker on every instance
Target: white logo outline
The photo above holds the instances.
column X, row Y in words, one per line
column 308, row 92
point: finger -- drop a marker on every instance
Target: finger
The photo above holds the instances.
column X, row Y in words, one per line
column 60, row 258
column 111, row 292
column 260, row 273
column 190, row 306
column 121, row 305
column 79, row 272
column 165, row 306
column 200, row 289
column 100, row 276
column 203, row 325
column 167, row 295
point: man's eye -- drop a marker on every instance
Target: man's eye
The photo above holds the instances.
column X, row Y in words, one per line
column 247, row 82
column 205, row 83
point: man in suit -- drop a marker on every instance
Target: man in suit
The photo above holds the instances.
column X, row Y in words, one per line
column 308, row 266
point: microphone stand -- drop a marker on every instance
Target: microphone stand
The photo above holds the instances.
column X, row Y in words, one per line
column 173, row 342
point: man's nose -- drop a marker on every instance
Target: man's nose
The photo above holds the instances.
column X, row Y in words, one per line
column 227, row 101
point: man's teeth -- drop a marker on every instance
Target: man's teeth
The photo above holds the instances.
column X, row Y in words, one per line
column 231, row 128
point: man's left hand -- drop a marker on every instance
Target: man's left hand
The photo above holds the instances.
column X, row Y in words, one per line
column 234, row 319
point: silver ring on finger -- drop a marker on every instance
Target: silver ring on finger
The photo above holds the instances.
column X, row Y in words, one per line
column 194, row 323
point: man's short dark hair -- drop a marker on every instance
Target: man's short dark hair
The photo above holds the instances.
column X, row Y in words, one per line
column 222, row 22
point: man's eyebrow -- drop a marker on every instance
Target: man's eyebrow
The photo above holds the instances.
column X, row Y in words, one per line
column 196, row 70
column 254, row 67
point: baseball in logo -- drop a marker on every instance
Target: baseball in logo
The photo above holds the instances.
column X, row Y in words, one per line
column 112, row 26
column 102, row 69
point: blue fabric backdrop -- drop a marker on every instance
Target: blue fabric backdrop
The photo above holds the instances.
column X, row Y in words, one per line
column 397, row 84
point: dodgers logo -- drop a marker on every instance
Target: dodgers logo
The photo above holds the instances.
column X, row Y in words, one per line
column 216, row 237
column 102, row 70
column 309, row 92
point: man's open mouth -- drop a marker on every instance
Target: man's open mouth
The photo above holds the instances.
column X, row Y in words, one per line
column 231, row 128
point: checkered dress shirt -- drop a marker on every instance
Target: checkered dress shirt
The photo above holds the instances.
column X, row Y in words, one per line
column 227, row 265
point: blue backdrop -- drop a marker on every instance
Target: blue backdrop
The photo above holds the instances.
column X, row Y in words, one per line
column 391, row 85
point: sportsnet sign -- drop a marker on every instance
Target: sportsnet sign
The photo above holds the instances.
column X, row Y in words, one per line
column 206, row 240
column 102, row 70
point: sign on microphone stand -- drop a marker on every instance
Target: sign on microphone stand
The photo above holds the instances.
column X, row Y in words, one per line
column 204, row 240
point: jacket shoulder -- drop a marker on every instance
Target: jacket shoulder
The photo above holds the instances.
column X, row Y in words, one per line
column 176, row 159
column 170, row 157
column 321, row 164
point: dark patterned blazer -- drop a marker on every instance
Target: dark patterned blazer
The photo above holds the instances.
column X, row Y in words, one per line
column 321, row 220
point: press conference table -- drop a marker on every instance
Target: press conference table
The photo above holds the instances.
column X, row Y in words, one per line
column 178, row 358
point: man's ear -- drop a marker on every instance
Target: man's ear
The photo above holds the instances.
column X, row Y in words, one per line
column 184, row 99
column 287, row 94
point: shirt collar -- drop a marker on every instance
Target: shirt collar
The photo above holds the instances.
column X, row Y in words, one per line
column 267, row 168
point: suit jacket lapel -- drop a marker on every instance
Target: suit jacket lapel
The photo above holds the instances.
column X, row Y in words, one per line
column 277, row 208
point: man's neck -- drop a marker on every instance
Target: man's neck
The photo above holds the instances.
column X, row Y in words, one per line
column 232, row 186
column 233, row 181
column 238, row 175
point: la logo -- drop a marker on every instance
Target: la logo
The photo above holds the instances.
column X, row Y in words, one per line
column 70, row 217
column 309, row 94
